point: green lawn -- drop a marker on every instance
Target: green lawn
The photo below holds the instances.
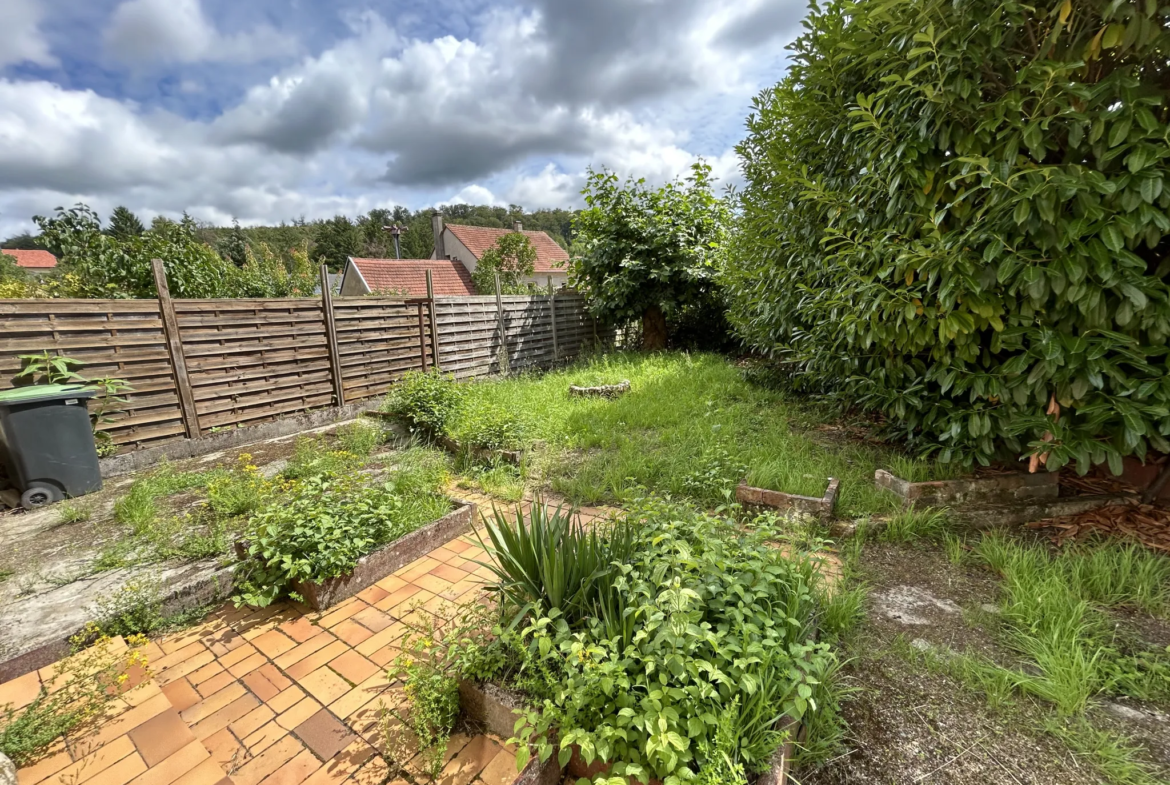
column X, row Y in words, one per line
column 691, row 426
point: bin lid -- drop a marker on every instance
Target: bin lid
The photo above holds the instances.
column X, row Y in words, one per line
column 46, row 392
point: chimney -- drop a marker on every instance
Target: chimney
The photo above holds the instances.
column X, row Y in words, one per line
column 437, row 226
column 517, row 226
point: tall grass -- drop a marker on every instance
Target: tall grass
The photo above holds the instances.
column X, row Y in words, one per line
column 691, row 426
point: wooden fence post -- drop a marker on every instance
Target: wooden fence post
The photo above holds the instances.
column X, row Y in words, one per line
column 422, row 336
column 552, row 304
column 331, row 337
column 502, row 328
column 175, row 346
column 434, row 326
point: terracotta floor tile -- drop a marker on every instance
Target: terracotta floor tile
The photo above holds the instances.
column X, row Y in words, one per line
column 287, row 699
column 299, row 629
column 206, row 773
column 181, row 694
column 293, row 656
column 314, row 661
column 375, row 773
column 372, row 594
column 397, row 597
column 417, row 568
column 324, row 735
column 180, row 669
column 298, row 713
column 343, row 765
column 404, row 608
column 224, row 641
column 274, row 643
column 433, row 583
column 391, row 583
column 339, row 613
column 127, row 721
column 174, row 767
column 442, row 554
column 53, row 762
column 97, row 761
column 215, row 684
column 263, row 738
column 120, row 773
column 20, row 691
column 255, row 770
column 381, row 640
column 247, row 665
column 213, row 668
column 470, row 761
column 180, row 655
column 261, row 686
column 373, row 619
column 237, row 655
column 160, row 737
column 501, row 771
column 449, row 573
column 225, row 716
column 209, row 706
column 460, row 563
column 458, row 545
column 295, row 771
column 324, row 685
column 252, row 721
column 175, row 642
column 226, row 750
column 351, row 632
column 353, row 667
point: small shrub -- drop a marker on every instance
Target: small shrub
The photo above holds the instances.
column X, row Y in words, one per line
column 489, row 427
column 324, row 525
column 716, row 476
column 432, row 691
column 134, row 609
column 359, row 438
column 240, row 491
column 427, row 400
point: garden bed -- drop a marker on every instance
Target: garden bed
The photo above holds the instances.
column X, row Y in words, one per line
column 822, row 507
column 377, row 565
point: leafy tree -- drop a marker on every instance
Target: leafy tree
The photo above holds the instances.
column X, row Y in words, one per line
column 234, row 247
column 124, row 224
column 25, row 242
column 957, row 214
column 651, row 254
column 335, row 241
column 513, row 258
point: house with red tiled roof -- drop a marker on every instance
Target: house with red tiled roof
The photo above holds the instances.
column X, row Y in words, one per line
column 405, row 277
column 468, row 244
column 36, row 262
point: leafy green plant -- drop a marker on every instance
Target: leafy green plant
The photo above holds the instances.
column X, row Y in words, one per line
column 431, row 690
column 715, row 478
column 915, row 524
column 955, row 215
column 719, row 619
column 135, row 608
column 488, row 426
column 73, row 512
column 547, row 561
column 428, row 400
column 313, row 458
column 513, row 258
column 652, row 254
column 59, row 369
column 359, row 438
column 47, row 368
column 323, row 526
column 240, row 491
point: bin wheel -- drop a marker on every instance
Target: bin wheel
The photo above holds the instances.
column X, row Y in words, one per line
column 39, row 496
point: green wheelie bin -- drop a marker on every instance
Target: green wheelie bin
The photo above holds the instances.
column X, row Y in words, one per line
column 48, row 444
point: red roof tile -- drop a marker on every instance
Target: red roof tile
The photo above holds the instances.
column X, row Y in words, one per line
column 550, row 257
column 450, row 277
column 40, row 260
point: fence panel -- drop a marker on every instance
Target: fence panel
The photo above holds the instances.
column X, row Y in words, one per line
column 254, row 360
column 378, row 340
column 115, row 339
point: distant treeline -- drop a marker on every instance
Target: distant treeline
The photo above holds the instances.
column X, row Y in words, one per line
column 332, row 240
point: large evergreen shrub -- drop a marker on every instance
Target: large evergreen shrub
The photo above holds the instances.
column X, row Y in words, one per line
column 956, row 213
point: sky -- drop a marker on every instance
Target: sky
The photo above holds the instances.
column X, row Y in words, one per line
column 274, row 110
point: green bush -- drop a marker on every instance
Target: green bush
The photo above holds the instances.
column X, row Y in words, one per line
column 488, row 426
column 427, row 400
column 323, row 526
column 956, row 214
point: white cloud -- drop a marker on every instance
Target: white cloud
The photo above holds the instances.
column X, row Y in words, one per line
column 22, row 40
column 177, row 31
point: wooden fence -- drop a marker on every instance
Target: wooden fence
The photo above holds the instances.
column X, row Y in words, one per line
column 203, row 365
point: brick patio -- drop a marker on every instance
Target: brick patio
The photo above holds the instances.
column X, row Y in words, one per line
column 281, row 695
column 285, row 695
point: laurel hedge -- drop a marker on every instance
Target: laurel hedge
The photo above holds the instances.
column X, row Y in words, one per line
column 956, row 213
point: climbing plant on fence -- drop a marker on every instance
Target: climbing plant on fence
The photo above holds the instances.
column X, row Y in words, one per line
column 956, row 212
